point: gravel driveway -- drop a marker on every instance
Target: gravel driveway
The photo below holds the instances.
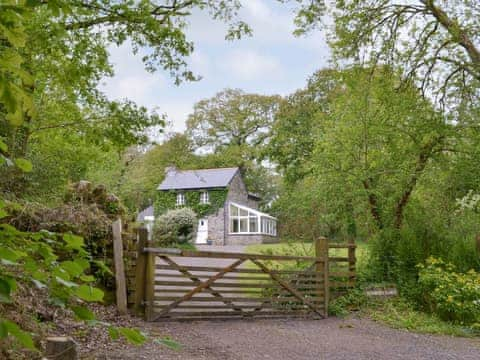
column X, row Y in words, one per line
column 295, row 339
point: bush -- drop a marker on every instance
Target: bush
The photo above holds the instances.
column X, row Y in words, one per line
column 352, row 301
column 453, row 296
column 175, row 227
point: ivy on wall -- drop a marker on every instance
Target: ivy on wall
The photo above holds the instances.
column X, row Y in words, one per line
column 167, row 200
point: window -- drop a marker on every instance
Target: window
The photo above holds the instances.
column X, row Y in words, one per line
column 204, row 197
column 269, row 226
column 244, row 220
column 180, row 199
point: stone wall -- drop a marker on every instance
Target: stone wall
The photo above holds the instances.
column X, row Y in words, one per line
column 250, row 239
column 238, row 191
column 244, row 239
column 216, row 227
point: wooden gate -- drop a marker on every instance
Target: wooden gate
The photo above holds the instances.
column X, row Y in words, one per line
column 180, row 284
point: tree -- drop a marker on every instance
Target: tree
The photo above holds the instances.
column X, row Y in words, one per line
column 379, row 139
column 55, row 79
column 232, row 118
column 435, row 42
column 139, row 183
column 232, row 128
column 296, row 124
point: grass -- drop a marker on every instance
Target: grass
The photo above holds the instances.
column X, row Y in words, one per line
column 307, row 249
column 398, row 314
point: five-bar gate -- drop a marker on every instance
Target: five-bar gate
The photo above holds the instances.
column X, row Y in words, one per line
column 182, row 284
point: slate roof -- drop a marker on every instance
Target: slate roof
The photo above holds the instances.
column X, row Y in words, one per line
column 145, row 212
column 197, row 179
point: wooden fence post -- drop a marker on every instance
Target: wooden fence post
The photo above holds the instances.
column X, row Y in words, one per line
column 120, row 282
column 149, row 285
column 351, row 260
column 321, row 250
column 61, row 347
column 140, row 271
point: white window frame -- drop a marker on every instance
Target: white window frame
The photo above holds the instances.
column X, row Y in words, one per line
column 204, row 197
column 266, row 224
column 181, row 200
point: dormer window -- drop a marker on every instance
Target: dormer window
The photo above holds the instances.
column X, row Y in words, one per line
column 204, row 197
column 180, row 199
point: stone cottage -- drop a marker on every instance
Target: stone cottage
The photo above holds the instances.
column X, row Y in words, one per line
column 227, row 213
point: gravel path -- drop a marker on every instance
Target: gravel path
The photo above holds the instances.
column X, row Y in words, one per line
column 295, row 339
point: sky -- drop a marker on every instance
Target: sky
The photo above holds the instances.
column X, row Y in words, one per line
column 272, row 61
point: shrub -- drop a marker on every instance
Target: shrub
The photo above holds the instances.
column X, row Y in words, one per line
column 352, row 301
column 453, row 296
column 175, row 227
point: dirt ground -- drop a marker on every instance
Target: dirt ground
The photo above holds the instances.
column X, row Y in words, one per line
column 332, row 338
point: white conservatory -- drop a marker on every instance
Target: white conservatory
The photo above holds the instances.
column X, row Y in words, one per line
column 244, row 220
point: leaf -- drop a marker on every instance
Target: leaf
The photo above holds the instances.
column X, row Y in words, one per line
column 133, row 336
column 5, row 290
column 74, row 242
column 72, row 268
column 87, row 278
column 83, row 263
column 66, row 283
column 3, row 330
column 39, row 284
column 11, row 255
column 103, row 268
column 3, row 146
column 89, row 293
column 170, row 343
column 113, row 332
column 23, row 164
column 3, row 213
column 83, row 313
column 23, row 337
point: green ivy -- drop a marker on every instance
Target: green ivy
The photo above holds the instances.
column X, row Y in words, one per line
column 166, row 200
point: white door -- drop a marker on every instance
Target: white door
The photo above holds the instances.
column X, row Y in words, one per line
column 202, row 232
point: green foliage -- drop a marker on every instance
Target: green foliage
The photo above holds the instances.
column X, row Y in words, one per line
column 10, row 328
column 34, row 258
column 38, row 259
column 62, row 118
column 427, row 41
column 133, row 336
column 343, row 305
column 401, row 314
column 137, row 175
column 235, row 127
column 15, row 80
column 453, row 296
column 175, row 227
column 166, row 200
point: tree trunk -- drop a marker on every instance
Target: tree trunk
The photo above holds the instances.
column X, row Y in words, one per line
column 423, row 157
column 373, row 202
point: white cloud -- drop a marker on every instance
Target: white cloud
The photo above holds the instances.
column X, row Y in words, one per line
column 257, row 9
column 247, row 64
column 200, row 63
column 272, row 61
column 131, row 80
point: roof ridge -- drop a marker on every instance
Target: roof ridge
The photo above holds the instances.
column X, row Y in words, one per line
column 224, row 168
